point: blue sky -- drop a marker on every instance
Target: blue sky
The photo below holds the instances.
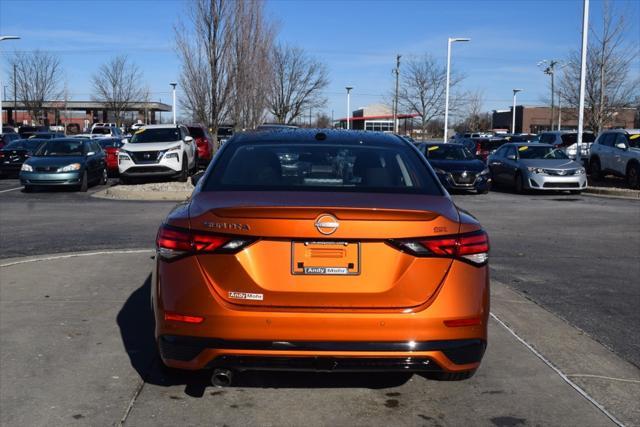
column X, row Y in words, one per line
column 358, row 40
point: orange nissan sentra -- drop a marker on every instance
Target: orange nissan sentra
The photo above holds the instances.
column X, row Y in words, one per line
column 322, row 250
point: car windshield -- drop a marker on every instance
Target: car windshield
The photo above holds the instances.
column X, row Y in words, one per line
column 156, row 135
column 101, row 131
column 538, row 152
column 448, row 152
column 314, row 167
column 572, row 138
column 61, row 147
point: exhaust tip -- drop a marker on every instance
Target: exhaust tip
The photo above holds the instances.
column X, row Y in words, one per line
column 222, row 377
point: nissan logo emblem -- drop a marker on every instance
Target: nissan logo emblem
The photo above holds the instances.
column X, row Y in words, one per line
column 327, row 224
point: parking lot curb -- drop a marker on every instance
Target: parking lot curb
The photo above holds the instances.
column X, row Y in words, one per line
column 116, row 193
column 613, row 192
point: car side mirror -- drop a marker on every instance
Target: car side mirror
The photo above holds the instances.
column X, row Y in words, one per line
column 188, row 139
column 196, row 177
column 622, row 146
column 511, row 156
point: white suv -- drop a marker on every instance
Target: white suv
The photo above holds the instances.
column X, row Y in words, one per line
column 617, row 152
column 567, row 141
column 158, row 151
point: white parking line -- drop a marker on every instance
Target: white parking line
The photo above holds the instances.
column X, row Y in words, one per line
column 75, row 255
column 11, row 189
column 562, row 375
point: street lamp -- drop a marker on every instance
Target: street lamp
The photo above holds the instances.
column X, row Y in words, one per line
column 550, row 70
column 3, row 38
column 348, row 88
column 513, row 113
column 173, row 108
column 446, row 99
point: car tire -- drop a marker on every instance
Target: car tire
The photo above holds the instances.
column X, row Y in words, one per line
column 84, row 183
column 450, row 376
column 518, row 185
column 595, row 170
column 633, row 180
column 104, row 177
column 124, row 181
column 184, row 173
column 196, row 164
column 577, row 192
column 28, row 189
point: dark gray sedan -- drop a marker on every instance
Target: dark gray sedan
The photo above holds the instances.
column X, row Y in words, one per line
column 66, row 162
column 536, row 166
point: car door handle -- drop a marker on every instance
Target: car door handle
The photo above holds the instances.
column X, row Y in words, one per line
column 495, row 163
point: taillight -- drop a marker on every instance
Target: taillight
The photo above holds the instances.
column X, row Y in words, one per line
column 173, row 242
column 183, row 318
column 469, row 247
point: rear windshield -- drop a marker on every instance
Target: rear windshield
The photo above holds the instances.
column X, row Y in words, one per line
column 62, row 147
column 448, row 152
column 487, row 144
column 101, row 131
column 321, row 167
column 572, row 138
column 538, row 152
column 196, row 132
column 156, row 135
column 106, row 142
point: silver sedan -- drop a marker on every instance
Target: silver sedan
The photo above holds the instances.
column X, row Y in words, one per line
column 536, row 167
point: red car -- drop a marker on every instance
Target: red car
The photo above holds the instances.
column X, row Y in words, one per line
column 204, row 143
column 111, row 147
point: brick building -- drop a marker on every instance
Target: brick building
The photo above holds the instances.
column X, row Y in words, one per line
column 534, row 119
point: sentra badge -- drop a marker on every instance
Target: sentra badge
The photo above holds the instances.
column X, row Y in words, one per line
column 227, row 226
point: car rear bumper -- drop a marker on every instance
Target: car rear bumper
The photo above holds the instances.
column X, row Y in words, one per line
column 323, row 356
column 263, row 335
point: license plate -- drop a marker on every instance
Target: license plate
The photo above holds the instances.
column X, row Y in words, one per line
column 325, row 258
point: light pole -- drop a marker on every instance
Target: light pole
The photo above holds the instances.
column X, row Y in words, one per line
column 550, row 70
column 513, row 113
column 446, row 98
column 395, row 104
column 173, row 107
column 348, row 88
column 3, row 38
column 583, row 75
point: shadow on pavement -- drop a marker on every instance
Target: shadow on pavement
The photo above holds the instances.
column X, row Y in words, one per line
column 136, row 324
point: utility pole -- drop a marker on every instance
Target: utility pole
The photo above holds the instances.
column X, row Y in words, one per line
column 395, row 102
column 550, row 70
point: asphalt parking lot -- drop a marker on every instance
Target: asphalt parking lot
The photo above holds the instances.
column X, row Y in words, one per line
column 76, row 343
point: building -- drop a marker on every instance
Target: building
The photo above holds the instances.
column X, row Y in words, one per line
column 82, row 113
column 535, row 119
column 375, row 117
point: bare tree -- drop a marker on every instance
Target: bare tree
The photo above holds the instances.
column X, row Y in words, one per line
column 422, row 89
column 36, row 80
column 473, row 105
column 119, row 84
column 205, row 47
column 251, row 66
column 609, row 84
column 297, row 83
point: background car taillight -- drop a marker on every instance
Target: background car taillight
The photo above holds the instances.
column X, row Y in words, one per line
column 470, row 247
column 172, row 242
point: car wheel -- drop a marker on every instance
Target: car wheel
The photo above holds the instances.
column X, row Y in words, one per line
column 518, row 184
column 28, row 189
column 124, row 181
column 632, row 176
column 450, row 376
column 84, row 183
column 196, row 162
column 184, row 173
column 596, row 172
column 103, row 179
